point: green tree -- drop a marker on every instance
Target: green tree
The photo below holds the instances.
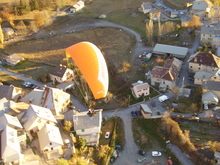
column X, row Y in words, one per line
column 62, row 162
column 36, row 5
column 67, row 126
column 81, row 143
column 198, row 92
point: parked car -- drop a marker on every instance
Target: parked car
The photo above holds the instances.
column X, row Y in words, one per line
column 32, row 86
column 156, row 153
column 26, row 84
column 216, row 108
column 107, row 135
column 194, row 115
column 133, row 114
column 138, row 113
column 163, row 98
column 143, row 153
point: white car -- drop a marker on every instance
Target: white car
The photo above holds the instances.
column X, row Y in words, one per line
column 156, row 153
column 163, row 98
column 107, row 135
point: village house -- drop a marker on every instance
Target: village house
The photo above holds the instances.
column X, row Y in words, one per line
column 52, row 98
column 36, row 117
column 205, row 62
column 50, row 141
column 146, row 111
column 10, row 92
column 210, row 35
column 139, row 89
column 61, row 74
column 10, row 146
column 13, row 59
column 56, row 100
column 77, row 6
column 165, row 77
column 4, row 106
column 199, row 77
column 201, row 9
column 211, row 92
column 145, row 7
column 85, row 125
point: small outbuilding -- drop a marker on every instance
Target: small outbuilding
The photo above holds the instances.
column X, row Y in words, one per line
column 77, row 6
column 175, row 51
column 13, row 59
column 146, row 111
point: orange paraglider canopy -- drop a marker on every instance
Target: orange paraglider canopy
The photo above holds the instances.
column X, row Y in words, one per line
column 92, row 65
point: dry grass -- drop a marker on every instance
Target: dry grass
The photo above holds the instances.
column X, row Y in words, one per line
column 52, row 50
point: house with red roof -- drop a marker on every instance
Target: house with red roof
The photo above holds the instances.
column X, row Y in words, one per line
column 165, row 77
column 203, row 62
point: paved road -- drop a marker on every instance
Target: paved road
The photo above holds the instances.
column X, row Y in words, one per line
column 129, row 155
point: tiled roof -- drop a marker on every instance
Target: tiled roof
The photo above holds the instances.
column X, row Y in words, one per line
column 207, row 59
column 169, row 71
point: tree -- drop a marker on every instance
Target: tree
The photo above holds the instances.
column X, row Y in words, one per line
column 194, row 22
column 81, row 143
column 62, row 162
column 67, row 126
column 1, row 33
column 103, row 151
column 36, row 5
column 125, row 67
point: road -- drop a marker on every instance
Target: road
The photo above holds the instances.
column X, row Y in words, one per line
column 129, row 155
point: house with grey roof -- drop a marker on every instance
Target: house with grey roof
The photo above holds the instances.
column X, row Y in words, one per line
column 210, row 98
column 165, row 77
column 4, row 106
column 146, row 111
column 88, row 126
column 139, row 89
column 50, row 141
column 10, row 92
column 36, row 117
column 10, row 146
column 184, row 92
column 218, row 51
column 13, row 59
column 175, row 51
column 212, row 89
column 209, row 33
column 205, row 62
column 33, row 97
column 8, row 120
column 61, row 74
column 145, row 7
column 199, row 77
column 201, row 9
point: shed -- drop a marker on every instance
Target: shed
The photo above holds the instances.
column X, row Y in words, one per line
column 146, row 111
column 77, row 6
column 176, row 51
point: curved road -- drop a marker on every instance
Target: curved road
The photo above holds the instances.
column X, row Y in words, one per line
column 129, row 155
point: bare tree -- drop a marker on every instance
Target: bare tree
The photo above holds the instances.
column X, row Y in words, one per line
column 194, row 22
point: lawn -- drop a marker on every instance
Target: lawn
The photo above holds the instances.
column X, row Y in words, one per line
column 6, row 79
column 30, row 69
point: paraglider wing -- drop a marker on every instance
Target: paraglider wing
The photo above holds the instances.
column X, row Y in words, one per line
column 92, row 65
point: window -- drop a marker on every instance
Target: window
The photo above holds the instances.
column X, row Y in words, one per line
column 51, row 148
column 50, row 143
column 190, row 66
column 83, row 130
column 199, row 68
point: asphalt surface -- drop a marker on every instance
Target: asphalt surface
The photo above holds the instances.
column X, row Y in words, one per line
column 129, row 155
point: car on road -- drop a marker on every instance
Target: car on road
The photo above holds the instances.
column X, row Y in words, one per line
column 194, row 115
column 107, row 135
column 143, row 153
column 133, row 114
column 163, row 98
column 26, row 84
column 32, row 86
column 138, row 113
column 156, row 153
